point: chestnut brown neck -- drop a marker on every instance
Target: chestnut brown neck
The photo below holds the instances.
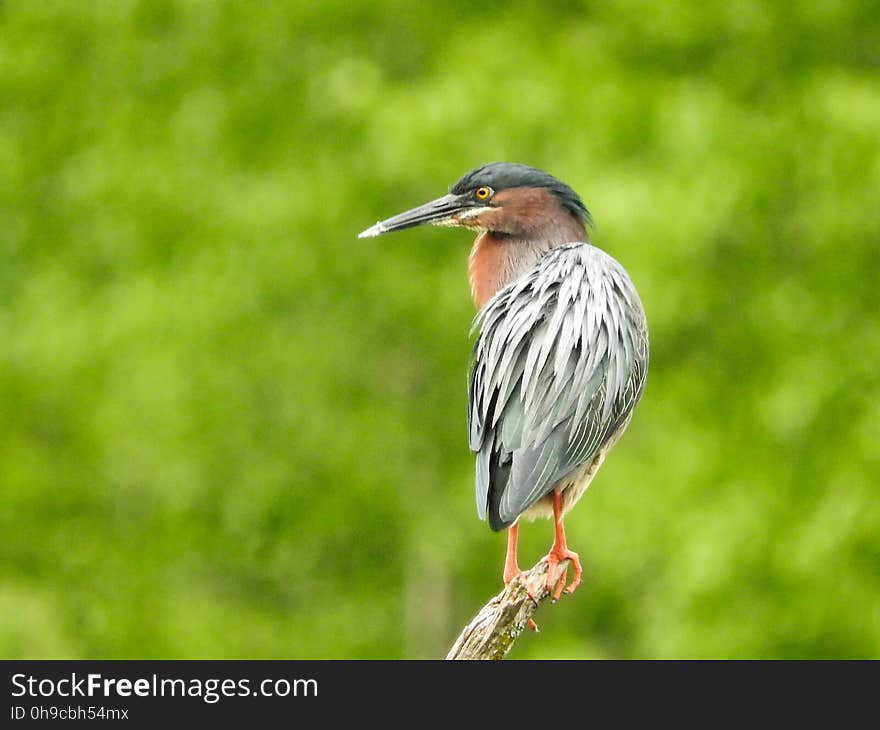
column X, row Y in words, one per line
column 525, row 226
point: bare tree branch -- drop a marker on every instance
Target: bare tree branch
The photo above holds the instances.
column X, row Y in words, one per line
column 500, row 622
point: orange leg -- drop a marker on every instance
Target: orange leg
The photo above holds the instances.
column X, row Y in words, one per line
column 511, row 566
column 560, row 552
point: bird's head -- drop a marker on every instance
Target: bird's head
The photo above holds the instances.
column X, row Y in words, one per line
column 504, row 198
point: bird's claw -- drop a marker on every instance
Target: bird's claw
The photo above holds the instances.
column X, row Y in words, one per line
column 556, row 582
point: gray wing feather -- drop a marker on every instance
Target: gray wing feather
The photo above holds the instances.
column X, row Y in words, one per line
column 559, row 364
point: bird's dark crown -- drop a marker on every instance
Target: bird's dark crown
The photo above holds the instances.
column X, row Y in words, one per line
column 504, row 175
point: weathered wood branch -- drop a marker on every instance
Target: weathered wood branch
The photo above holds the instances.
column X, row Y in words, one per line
column 499, row 623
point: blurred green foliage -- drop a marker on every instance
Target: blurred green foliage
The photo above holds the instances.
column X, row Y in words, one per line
column 231, row 429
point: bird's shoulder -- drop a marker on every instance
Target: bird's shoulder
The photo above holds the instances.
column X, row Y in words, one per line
column 575, row 276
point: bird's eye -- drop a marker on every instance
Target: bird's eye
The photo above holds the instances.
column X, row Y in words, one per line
column 483, row 193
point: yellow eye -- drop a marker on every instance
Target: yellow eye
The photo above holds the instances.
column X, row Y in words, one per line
column 483, row 193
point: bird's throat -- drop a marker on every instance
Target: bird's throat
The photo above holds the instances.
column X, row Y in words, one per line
column 497, row 260
column 487, row 266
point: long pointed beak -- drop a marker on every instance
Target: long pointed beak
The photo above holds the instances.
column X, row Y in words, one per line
column 438, row 212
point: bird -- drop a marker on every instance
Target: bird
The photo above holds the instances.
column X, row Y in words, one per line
column 561, row 356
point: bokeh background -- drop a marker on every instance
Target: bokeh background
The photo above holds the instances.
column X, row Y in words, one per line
column 229, row 428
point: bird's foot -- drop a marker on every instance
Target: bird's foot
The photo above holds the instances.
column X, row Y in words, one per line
column 514, row 574
column 556, row 583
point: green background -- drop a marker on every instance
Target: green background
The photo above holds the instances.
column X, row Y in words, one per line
column 229, row 428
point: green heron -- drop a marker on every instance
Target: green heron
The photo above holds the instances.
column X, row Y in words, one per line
column 562, row 353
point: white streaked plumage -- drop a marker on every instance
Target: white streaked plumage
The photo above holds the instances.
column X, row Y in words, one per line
column 559, row 365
